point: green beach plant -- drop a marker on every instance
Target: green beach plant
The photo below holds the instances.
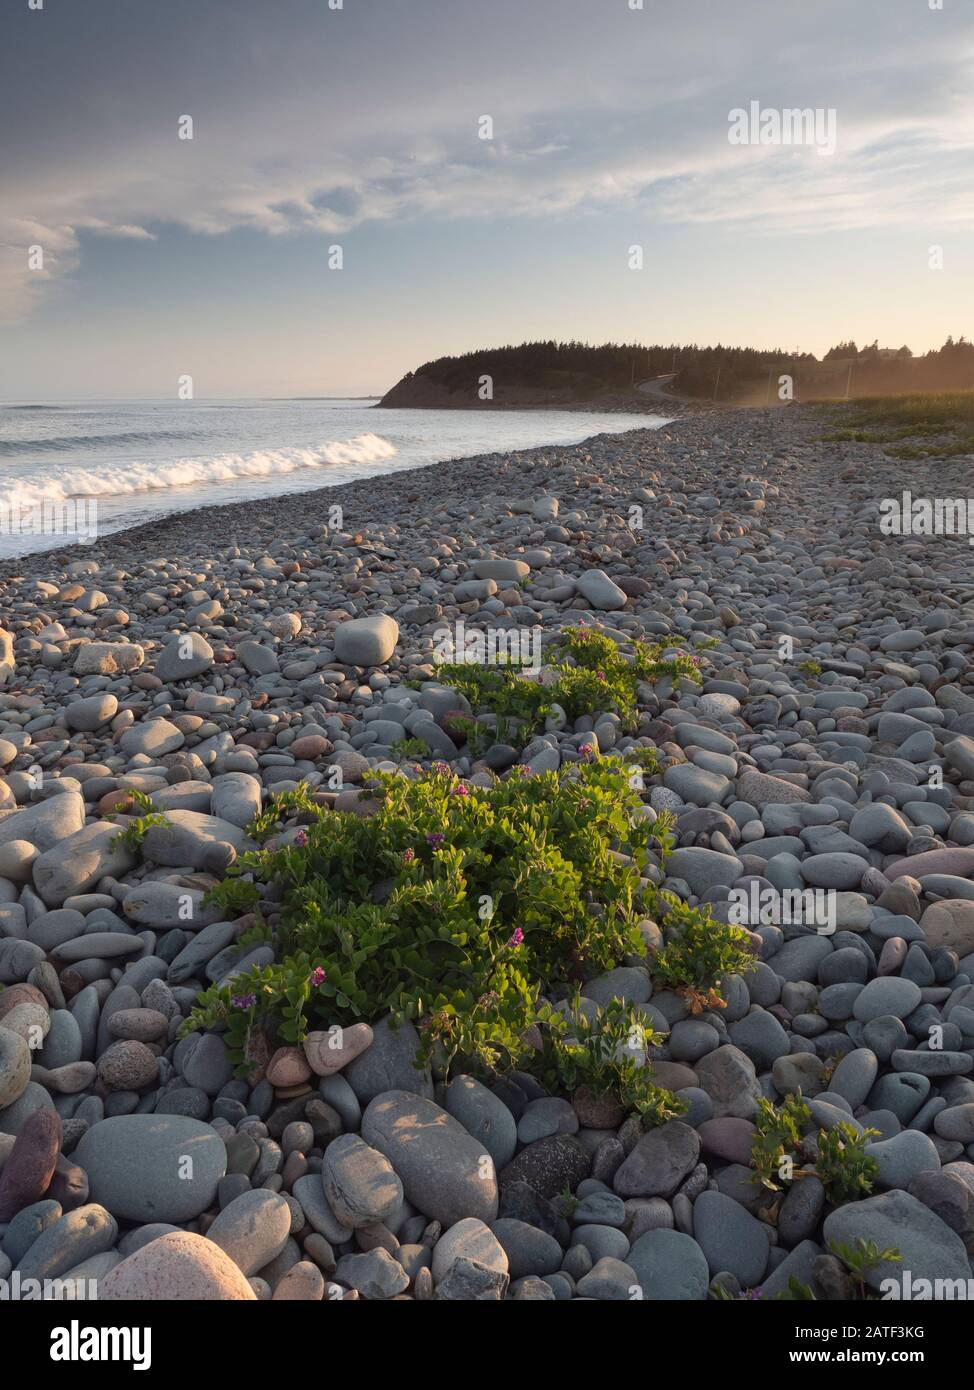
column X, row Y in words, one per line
column 699, row 954
column 777, row 1140
column 607, row 1056
column 133, row 834
column 467, row 911
column 586, row 673
column 453, row 906
column 847, row 1172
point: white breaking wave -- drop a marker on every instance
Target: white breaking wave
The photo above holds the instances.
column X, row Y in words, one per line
column 115, row 480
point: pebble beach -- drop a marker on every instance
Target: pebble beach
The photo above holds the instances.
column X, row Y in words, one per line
column 214, row 659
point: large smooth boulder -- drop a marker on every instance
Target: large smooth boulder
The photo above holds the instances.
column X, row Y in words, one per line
column 950, row 924
column 184, row 656
column 367, row 641
column 252, row 1229
column 46, row 823
column 178, row 1267
column 78, row 862
column 445, row 1172
column 188, row 838
column 152, row 1167
column 895, row 1220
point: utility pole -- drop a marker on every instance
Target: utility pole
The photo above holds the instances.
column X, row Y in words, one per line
column 848, row 385
column 717, row 382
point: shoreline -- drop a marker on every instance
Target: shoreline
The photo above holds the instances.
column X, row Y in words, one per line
column 251, row 512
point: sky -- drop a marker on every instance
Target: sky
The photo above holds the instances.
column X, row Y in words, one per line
column 358, row 124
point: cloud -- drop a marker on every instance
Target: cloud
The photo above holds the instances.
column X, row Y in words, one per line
column 315, row 128
column 123, row 230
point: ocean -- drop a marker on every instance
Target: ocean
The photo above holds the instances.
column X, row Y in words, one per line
column 68, row 470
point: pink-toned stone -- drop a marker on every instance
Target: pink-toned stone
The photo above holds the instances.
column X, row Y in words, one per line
column 31, row 1163
column 675, row 1076
column 892, row 956
column 950, row 924
column 933, row 861
column 310, row 747
column 727, row 1137
column 329, row 1052
column 180, row 1267
column 288, row 1067
column 19, row 994
column 138, row 1025
column 127, row 1066
column 303, row 1283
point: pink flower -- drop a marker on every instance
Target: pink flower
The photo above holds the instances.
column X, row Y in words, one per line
column 408, row 855
column 318, row 976
column 517, row 937
column 301, row 838
column 461, row 789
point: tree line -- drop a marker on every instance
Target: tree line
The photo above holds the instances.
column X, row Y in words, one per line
column 719, row 372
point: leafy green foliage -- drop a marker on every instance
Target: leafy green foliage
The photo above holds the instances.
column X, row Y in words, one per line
column 298, row 801
column 519, row 705
column 858, row 1259
column 608, row 1056
column 846, row 1170
column 664, row 835
column 452, row 906
column 410, row 748
column 139, row 826
column 699, row 954
column 586, row 673
column 234, row 896
column 796, row 1292
column 863, row 1257
column 777, row 1138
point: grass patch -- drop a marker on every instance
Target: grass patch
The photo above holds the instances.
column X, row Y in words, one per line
column 938, row 424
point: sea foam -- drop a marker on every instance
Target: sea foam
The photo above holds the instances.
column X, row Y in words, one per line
column 125, row 479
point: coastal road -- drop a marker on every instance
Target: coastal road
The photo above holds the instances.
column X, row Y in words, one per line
column 655, row 386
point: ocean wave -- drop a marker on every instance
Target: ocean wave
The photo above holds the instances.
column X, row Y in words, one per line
column 63, row 444
column 116, row 480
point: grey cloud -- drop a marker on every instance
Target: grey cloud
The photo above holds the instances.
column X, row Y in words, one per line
column 307, row 120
